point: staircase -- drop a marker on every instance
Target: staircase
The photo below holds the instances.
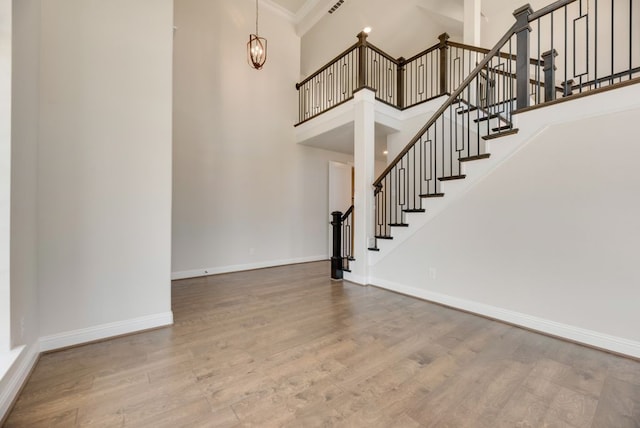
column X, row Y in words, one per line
column 542, row 59
column 519, row 213
column 481, row 110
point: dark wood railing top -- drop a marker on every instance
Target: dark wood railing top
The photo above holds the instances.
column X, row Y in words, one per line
column 532, row 61
column 383, row 53
column 548, row 9
column 419, row 54
column 402, row 61
column 493, row 52
column 329, row 64
column 347, row 213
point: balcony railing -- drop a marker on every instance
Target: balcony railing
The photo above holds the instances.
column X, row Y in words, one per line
column 401, row 83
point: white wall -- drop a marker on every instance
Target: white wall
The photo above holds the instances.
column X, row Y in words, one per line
column 498, row 17
column 5, row 170
column 244, row 193
column 400, row 28
column 104, row 163
column 24, row 145
column 549, row 235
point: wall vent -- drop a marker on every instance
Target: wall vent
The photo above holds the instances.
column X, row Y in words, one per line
column 336, row 6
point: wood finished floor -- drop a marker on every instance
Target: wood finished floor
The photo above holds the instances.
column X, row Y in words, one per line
column 288, row 347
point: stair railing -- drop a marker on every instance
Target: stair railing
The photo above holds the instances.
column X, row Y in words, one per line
column 480, row 108
column 342, row 242
column 401, row 83
column 509, row 77
column 585, row 45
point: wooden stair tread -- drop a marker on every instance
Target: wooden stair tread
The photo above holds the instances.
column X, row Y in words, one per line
column 501, row 128
column 399, row 224
column 476, row 157
column 500, row 134
column 432, row 195
column 470, row 109
column 415, row 210
column 373, row 249
column 485, row 118
column 453, row 177
column 383, row 237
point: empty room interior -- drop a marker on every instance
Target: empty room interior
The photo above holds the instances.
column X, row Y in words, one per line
column 312, row 213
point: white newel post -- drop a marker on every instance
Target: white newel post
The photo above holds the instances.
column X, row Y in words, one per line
column 364, row 160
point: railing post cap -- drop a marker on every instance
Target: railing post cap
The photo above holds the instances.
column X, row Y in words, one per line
column 549, row 53
column 362, row 37
column 335, row 213
column 526, row 10
column 443, row 38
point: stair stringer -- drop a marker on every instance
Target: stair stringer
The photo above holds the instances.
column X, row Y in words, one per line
column 530, row 125
column 500, row 149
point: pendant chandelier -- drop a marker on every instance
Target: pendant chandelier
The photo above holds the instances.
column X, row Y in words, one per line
column 257, row 47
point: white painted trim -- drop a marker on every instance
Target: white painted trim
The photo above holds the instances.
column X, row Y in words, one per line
column 306, row 9
column 576, row 334
column 356, row 279
column 276, row 8
column 105, row 331
column 22, row 361
column 248, row 266
column 343, row 114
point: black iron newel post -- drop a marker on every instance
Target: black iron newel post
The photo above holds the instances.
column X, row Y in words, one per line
column 401, row 62
column 362, row 59
column 549, row 74
column 444, row 64
column 336, row 257
column 522, row 55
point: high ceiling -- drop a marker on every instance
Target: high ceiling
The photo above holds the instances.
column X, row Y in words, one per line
column 291, row 5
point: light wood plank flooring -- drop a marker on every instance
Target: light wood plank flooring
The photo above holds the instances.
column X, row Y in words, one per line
column 288, row 347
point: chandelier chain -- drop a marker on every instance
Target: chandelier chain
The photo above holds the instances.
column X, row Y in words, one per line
column 256, row 17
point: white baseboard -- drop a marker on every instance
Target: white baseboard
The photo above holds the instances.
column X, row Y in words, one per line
column 22, row 361
column 588, row 337
column 104, row 331
column 249, row 266
column 356, row 279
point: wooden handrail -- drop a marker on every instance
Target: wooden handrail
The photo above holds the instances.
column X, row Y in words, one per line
column 532, row 61
column 548, row 9
column 424, row 52
column 492, row 53
column 383, row 53
column 330, row 63
column 347, row 213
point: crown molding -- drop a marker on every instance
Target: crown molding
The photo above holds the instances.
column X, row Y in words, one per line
column 279, row 10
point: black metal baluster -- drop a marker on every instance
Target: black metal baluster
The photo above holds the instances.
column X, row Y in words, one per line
column 538, row 67
column 612, row 42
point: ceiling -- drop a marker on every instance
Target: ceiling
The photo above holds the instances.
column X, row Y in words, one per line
column 292, row 6
column 340, row 140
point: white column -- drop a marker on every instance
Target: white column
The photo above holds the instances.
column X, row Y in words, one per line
column 472, row 14
column 5, row 171
column 364, row 162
